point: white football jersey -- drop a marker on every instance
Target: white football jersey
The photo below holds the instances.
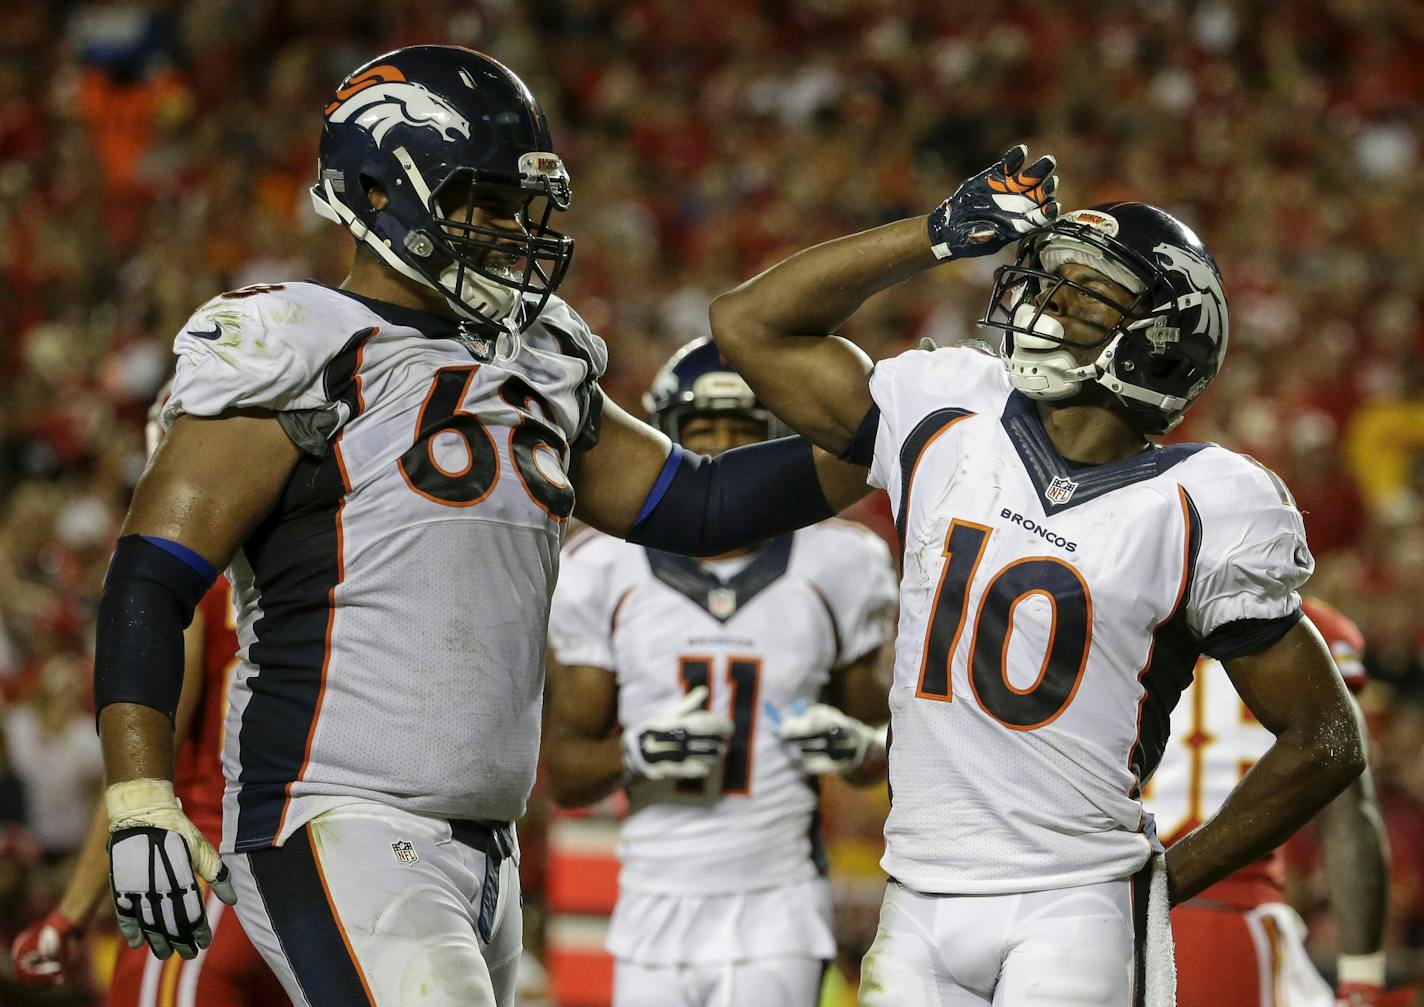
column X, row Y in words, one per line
column 392, row 608
column 1050, row 615
column 768, row 635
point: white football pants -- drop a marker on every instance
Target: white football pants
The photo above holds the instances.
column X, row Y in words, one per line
column 1071, row 946
column 366, row 904
column 760, row 982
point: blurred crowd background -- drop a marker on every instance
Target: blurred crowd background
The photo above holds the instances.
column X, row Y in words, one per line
column 153, row 154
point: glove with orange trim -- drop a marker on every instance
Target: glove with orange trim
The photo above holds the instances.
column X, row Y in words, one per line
column 42, row 950
column 1000, row 204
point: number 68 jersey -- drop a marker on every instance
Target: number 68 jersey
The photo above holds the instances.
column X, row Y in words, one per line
column 1051, row 613
column 392, row 607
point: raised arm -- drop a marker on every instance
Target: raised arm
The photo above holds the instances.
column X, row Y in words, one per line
column 1294, row 690
column 775, row 329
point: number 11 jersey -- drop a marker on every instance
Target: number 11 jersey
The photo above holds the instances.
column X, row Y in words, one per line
column 1050, row 615
column 392, row 607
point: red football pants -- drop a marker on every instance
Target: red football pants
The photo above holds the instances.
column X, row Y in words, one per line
column 1218, row 964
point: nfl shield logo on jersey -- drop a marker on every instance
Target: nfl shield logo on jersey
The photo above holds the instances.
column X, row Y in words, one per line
column 1060, row 490
column 404, row 851
column 721, row 602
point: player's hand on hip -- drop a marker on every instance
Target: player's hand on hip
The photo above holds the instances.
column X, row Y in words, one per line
column 683, row 742
column 156, row 856
column 827, row 740
column 1001, row 204
column 42, row 950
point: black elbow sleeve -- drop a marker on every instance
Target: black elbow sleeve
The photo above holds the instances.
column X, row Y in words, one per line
column 150, row 592
column 708, row 506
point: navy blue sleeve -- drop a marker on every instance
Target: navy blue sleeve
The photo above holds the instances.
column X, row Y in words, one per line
column 152, row 587
column 1247, row 636
column 703, row 506
column 861, row 449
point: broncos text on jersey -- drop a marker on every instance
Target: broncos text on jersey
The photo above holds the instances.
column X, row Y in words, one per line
column 1050, row 615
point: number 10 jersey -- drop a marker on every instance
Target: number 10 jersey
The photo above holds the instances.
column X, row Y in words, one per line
column 1050, row 615
column 392, row 607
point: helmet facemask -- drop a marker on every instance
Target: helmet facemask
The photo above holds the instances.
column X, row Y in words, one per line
column 487, row 272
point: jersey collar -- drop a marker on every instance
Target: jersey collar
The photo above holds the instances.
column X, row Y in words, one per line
column 722, row 599
column 1061, row 483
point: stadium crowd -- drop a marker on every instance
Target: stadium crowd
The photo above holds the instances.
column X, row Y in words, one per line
column 155, row 153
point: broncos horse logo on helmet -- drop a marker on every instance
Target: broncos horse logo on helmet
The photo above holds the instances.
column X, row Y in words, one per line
column 435, row 128
column 382, row 98
column 1170, row 341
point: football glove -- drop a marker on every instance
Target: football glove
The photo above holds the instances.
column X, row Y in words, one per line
column 42, row 950
column 684, row 742
column 828, row 741
column 156, row 856
column 1000, row 204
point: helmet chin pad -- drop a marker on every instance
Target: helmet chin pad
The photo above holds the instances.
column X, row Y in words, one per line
column 1041, row 366
column 470, row 287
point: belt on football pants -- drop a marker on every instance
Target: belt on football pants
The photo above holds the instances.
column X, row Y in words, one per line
column 496, row 842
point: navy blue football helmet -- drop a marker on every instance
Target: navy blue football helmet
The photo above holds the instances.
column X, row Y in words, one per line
column 439, row 128
column 1169, row 344
column 696, row 381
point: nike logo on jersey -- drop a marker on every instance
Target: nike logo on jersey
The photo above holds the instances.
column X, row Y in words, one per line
column 1043, row 532
column 215, row 334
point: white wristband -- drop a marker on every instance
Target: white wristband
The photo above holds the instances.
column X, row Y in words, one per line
column 1367, row 970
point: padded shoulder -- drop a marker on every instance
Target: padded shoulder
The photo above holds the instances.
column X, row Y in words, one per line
column 263, row 347
column 1253, row 557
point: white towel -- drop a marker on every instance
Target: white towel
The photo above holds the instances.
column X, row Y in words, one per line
column 1159, row 952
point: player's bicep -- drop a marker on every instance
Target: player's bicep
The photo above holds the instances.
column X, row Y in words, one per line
column 583, row 701
column 211, row 482
column 615, row 476
column 1293, row 685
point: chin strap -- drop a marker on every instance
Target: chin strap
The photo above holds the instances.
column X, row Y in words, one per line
column 329, row 207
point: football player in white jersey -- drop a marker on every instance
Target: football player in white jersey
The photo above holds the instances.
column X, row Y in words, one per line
column 698, row 686
column 1238, row 944
column 385, row 469
column 1061, row 575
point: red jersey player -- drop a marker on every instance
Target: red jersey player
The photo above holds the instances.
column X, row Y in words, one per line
column 229, row 972
column 1238, row 944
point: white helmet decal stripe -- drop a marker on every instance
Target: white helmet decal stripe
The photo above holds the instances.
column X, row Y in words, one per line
column 380, row 107
column 1203, row 279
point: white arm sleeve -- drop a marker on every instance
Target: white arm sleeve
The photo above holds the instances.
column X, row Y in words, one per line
column 581, row 614
column 1253, row 558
